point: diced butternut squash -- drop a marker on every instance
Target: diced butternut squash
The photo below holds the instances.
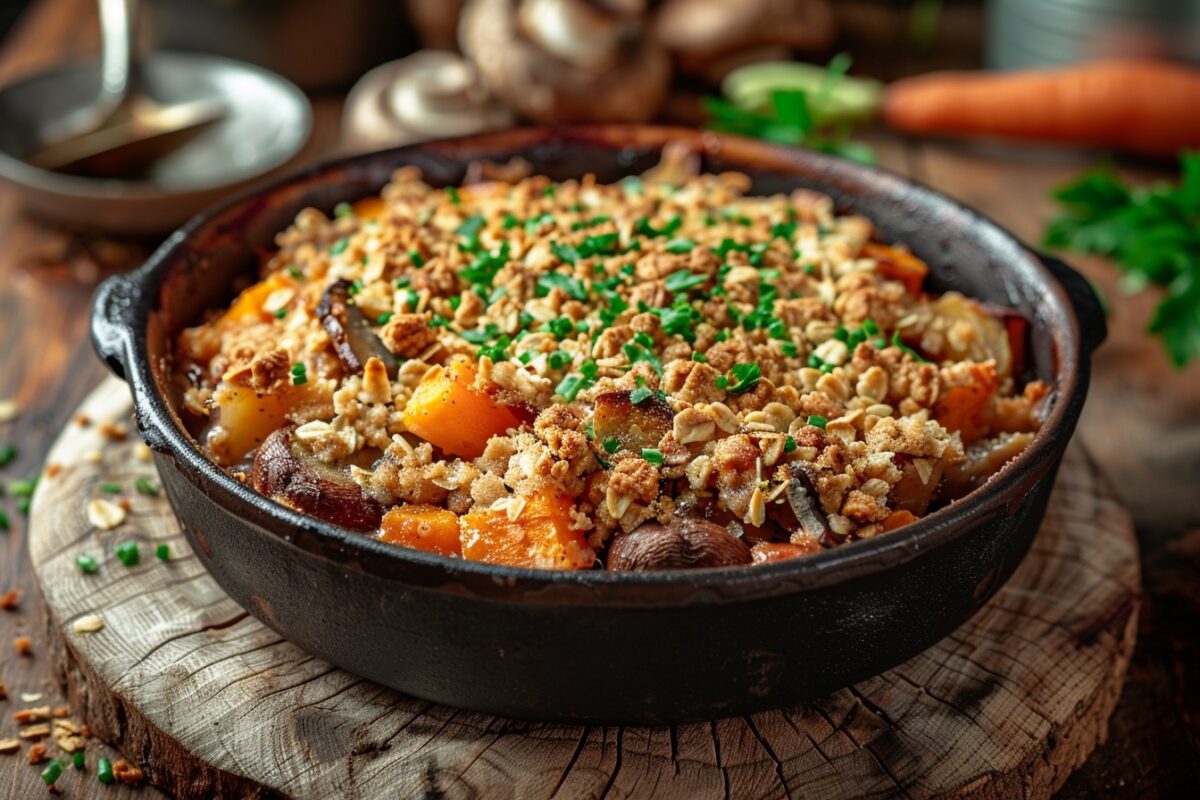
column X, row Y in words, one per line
column 965, row 407
column 421, row 527
column 542, row 535
column 447, row 411
column 245, row 417
column 898, row 265
column 897, row 519
column 248, row 307
column 370, row 207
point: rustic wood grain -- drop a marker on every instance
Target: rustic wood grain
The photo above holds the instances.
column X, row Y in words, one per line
column 217, row 704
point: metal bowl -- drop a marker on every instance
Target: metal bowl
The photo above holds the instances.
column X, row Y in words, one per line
column 597, row 646
column 267, row 124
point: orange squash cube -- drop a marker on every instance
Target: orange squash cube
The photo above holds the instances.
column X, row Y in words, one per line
column 422, row 527
column 446, row 411
column 541, row 536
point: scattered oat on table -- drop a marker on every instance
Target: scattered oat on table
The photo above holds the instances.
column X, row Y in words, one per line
column 39, row 731
column 8, row 746
column 30, row 697
column 9, row 410
column 104, row 514
column 89, row 624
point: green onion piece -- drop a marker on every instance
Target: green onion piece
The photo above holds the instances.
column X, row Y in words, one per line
column 299, row 374
column 295, row 272
column 110, row 488
column 416, row 258
column 640, row 395
column 652, row 454
column 163, row 552
column 683, row 280
column 841, row 334
column 343, row 210
column 452, row 193
column 77, row 759
column 339, row 247
column 789, row 349
column 144, row 485
column 745, row 377
column 383, row 318
column 679, row 246
column 789, row 445
column 86, row 563
column 128, row 553
column 700, row 357
column 281, row 313
column 4, row 523
column 612, row 444
column 7, row 454
column 22, row 488
column 818, row 421
column 721, row 382
column 870, row 327
column 104, row 770
column 52, row 771
column 23, row 505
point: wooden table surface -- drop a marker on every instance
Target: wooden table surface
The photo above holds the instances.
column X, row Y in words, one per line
column 1141, row 422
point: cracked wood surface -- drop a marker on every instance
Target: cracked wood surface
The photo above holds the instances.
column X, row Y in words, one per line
column 212, row 702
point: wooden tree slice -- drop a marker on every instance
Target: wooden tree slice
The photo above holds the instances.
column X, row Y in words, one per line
column 210, row 702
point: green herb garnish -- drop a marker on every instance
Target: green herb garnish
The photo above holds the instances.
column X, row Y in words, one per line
column 652, row 454
column 1152, row 234
column 818, row 421
column 128, row 553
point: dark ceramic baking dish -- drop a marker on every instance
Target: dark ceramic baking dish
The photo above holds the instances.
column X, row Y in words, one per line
column 595, row 646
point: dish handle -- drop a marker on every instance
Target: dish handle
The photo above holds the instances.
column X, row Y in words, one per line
column 1093, row 326
column 112, row 323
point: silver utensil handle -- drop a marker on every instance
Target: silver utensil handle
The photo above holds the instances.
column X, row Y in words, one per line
column 120, row 71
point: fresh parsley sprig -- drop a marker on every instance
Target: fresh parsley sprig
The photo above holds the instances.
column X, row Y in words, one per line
column 1153, row 234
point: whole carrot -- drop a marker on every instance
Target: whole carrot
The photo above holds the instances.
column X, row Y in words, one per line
column 1139, row 106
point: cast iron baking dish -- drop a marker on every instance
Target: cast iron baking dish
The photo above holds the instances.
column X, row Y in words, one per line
column 594, row 646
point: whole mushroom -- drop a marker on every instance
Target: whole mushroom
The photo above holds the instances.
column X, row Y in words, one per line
column 711, row 37
column 567, row 60
column 683, row 543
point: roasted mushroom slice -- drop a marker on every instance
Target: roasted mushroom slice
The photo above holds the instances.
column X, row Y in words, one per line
column 353, row 340
column 806, row 504
column 286, row 473
column 634, row 426
column 919, row 480
column 683, row 543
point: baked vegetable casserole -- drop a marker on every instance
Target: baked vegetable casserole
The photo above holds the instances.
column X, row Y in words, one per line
column 661, row 373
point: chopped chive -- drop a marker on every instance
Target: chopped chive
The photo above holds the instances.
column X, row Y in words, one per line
column 679, row 245
column 22, row 488
column 789, row 445
column 163, row 552
column 640, row 395
column 416, row 258
column 698, row 356
column 52, row 771
column 383, row 318
column 652, row 454
column 77, row 759
column 299, row 374
column 452, row 193
column 745, row 377
column 789, row 349
column 612, row 444
column 281, row 313
column 23, row 506
column 4, row 523
column 7, row 454
column 128, row 553
column 110, row 488
column 104, row 770
column 86, row 563
column 342, row 210
column 870, row 327
column 721, row 382
column 295, row 272
column 818, row 421
column 144, row 485
column 841, row 334
column 339, row 247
